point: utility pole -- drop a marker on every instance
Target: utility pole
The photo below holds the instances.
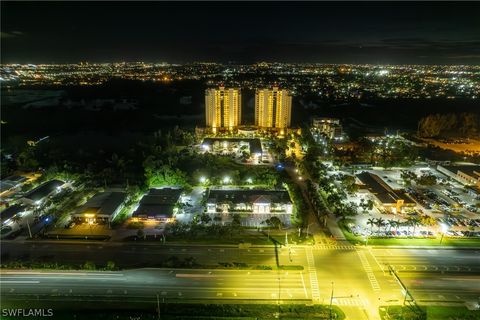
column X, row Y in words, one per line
column 29, row 231
column 331, row 301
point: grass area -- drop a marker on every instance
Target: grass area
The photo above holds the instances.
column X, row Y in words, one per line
column 433, row 242
column 147, row 310
column 428, row 313
column 242, row 236
column 171, row 262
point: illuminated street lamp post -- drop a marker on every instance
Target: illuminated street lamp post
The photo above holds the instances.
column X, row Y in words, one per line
column 331, row 301
column 444, row 229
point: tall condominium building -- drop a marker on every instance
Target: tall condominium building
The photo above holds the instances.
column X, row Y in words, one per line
column 273, row 108
column 223, row 108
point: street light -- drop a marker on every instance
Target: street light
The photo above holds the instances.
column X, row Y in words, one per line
column 226, row 180
column 444, row 229
column 203, row 180
column 250, row 180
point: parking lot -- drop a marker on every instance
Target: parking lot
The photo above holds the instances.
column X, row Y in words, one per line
column 443, row 208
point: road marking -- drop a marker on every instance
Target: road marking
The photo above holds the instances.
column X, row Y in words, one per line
column 312, row 272
column 19, row 281
column 376, row 261
column 369, row 271
column 303, row 284
column 357, row 302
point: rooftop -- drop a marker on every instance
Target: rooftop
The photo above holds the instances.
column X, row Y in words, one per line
column 44, row 190
column 471, row 170
column 10, row 212
column 158, row 203
column 381, row 190
column 248, row 196
column 104, row 203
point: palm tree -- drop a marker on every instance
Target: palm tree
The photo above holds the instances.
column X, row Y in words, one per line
column 16, row 219
column 391, row 224
column 371, row 222
column 414, row 222
column 380, row 222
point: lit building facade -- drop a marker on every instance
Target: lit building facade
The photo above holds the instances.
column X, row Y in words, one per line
column 273, row 108
column 223, row 108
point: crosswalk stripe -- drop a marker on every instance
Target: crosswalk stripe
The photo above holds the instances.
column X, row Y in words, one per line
column 368, row 269
column 313, row 275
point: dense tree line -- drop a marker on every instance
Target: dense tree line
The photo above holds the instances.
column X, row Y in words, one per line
column 450, row 125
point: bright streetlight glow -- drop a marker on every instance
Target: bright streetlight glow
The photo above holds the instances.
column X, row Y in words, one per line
column 203, row 179
column 226, row 180
column 443, row 227
column 249, row 180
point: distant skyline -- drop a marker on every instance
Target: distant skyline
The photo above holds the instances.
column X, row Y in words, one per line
column 243, row 32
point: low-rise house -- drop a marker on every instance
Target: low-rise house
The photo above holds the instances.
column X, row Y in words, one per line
column 158, row 204
column 102, row 207
column 42, row 192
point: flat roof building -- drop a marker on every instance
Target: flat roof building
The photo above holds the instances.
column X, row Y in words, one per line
column 103, row 206
column 158, row 204
column 11, row 183
column 7, row 214
column 386, row 197
column 275, row 202
column 465, row 174
column 40, row 193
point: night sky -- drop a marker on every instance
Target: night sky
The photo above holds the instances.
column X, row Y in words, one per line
column 337, row 32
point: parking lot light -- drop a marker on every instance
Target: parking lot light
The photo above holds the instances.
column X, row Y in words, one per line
column 444, row 229
column 203, row 179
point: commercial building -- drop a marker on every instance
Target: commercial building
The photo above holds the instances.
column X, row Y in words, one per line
column 102, row 207
column 465, row 174
column 394, row 201
column 257, row 202
column 223, row 109
column 158, row 204
column 7, row 214
column 42, row 192
column 232, row 145
column 11, row 183
column 273, row 108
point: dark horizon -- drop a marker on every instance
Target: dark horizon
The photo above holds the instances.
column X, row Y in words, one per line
column 426, row 33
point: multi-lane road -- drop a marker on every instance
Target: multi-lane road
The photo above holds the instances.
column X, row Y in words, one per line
column 355, row 278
